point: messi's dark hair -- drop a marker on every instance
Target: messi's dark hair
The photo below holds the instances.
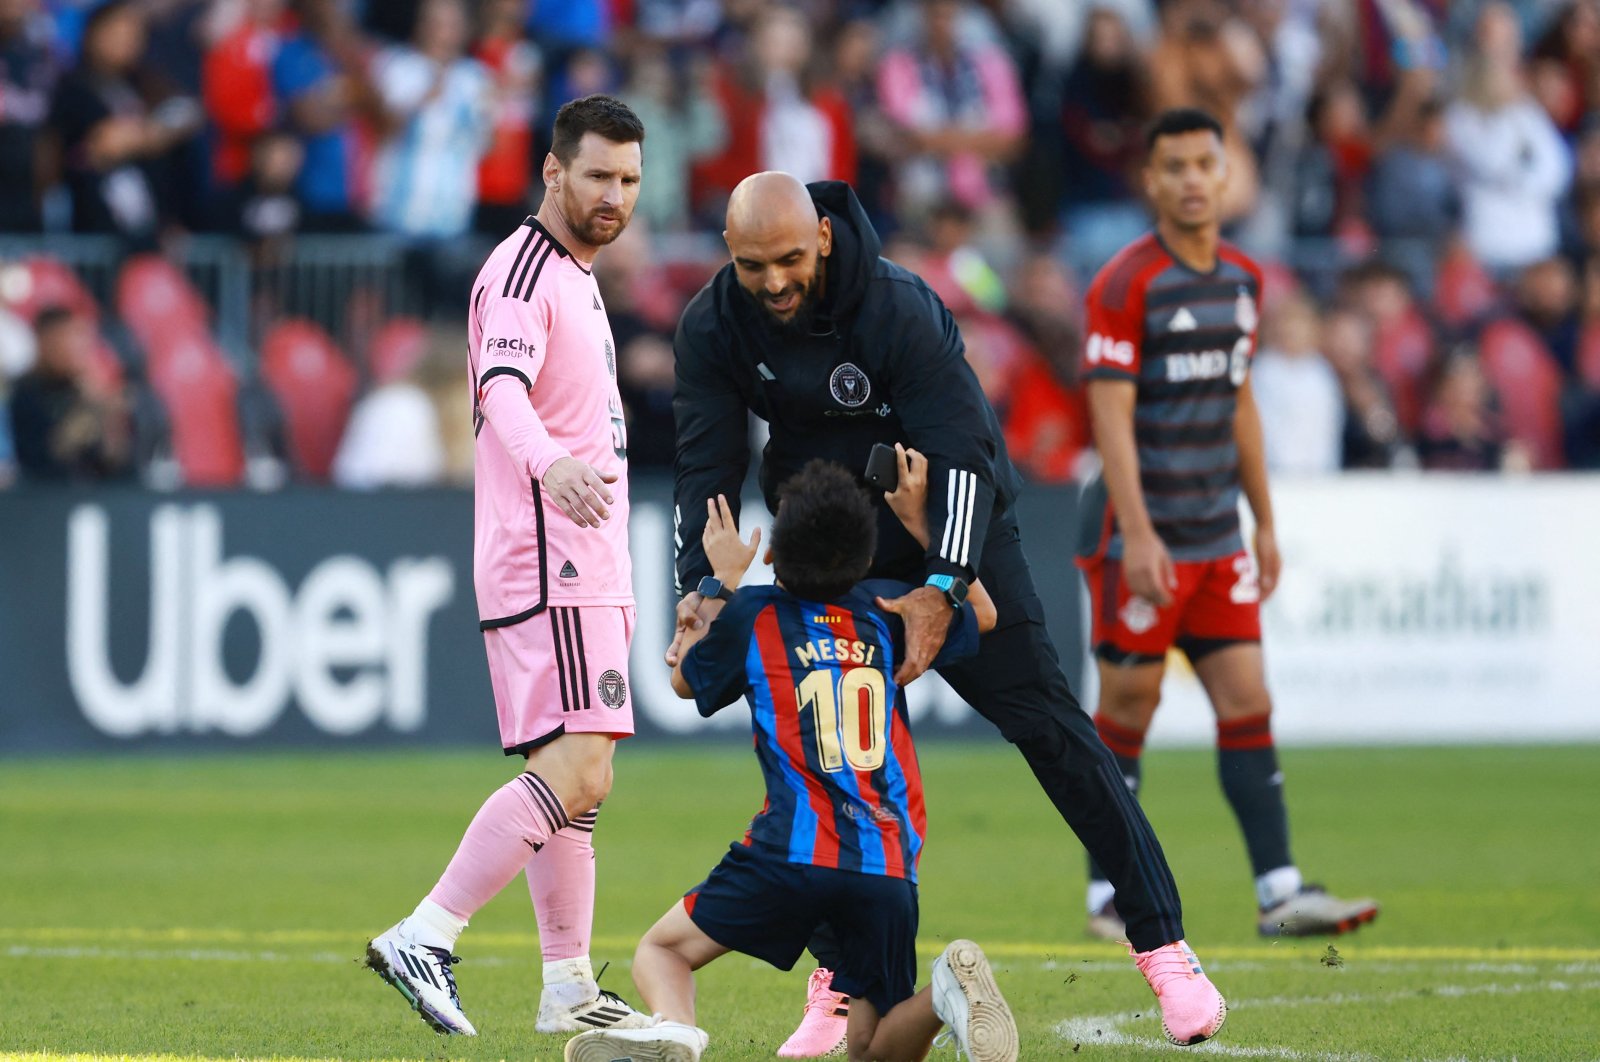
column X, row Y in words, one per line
column 824, row 534
column 1177, row 121
column 602, row 114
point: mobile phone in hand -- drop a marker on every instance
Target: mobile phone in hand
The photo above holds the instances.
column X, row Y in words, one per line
column 883, row 468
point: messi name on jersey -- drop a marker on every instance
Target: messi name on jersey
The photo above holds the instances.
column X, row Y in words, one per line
column 836, row 650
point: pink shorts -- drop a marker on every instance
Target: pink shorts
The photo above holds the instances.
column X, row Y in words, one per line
column 562, row 672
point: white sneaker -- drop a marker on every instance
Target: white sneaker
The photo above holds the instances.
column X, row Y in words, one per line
column 966, row 998
column 667, row 1041
column 1106, row 924
column 422, row 975
column 607, row 1010
column 1311, row 912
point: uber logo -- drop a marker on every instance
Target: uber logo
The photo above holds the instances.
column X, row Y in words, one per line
column 351, row 642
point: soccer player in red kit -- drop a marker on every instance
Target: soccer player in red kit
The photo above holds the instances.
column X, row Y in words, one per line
column 1171, row 333
column 554, row 585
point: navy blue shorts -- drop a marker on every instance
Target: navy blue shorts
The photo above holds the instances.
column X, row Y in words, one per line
column 767, row 908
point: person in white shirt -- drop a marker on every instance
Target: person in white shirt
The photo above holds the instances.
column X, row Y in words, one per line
column 1297, row 392
column 1513, row 163
column 392, row 440
column 439, row 104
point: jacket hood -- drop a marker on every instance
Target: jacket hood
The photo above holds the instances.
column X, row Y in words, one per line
column 856, row 246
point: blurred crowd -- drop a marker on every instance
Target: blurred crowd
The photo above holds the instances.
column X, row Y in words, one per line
column 1421, row 179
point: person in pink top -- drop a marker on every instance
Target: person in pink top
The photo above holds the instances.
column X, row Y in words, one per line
column 551, row 567
column 959, row 104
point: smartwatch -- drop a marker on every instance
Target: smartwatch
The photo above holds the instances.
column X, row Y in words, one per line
column 711, row 586
column 954, row 590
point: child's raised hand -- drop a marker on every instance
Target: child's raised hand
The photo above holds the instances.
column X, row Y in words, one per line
column 909, row 499
column 728, row 554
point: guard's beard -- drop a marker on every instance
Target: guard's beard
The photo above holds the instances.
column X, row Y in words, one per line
column 798, row 323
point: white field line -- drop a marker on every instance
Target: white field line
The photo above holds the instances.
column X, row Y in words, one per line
column 1108, row 1029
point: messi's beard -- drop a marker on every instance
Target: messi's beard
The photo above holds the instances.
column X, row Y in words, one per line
column 592, row 234
column 589, row 229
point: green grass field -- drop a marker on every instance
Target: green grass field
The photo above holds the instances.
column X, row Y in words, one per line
column 215, row 907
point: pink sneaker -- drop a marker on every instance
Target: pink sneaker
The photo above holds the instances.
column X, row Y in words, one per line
column 1192, row 1010
column 822, row 1026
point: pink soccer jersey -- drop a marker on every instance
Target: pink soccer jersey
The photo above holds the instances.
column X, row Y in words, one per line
column 538, row 333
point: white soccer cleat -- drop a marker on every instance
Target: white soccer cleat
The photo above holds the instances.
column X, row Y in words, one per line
column 667, row 1041
column 422, row 975
column 966, row 998
column 1107, row 924
column 1311, row 912
column 607, row 1010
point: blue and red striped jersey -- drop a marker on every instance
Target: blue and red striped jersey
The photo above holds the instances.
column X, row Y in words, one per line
column 831, row 729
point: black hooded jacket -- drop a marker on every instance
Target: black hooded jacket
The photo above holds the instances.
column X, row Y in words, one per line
column 883, row 363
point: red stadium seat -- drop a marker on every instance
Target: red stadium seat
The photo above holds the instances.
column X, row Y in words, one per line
column 1464, row 291
column 198, row 388
column 50, row 282
column 396, row 348
column 47, row 282
column 1528, row 381
column 314, row 385
column 158, row 302
column 171, row 322
column 104, row 374
column 1403, row 353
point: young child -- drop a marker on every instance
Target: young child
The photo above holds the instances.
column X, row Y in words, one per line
column 838, row 840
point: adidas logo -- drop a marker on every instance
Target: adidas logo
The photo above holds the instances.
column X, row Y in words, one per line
column 569, row 571
column 1183, row 321
column 597, row 302
column 418, row 968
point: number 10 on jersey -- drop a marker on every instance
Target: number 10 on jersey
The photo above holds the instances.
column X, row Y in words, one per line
column 848, row 715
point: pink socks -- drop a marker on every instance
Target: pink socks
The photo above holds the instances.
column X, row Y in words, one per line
column 561, row 882
column 516, row 821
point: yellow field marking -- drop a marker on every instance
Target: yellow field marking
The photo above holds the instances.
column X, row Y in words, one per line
column 1283, row 950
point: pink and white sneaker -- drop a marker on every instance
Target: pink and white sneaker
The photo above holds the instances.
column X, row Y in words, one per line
column 1192, row 1010
column 822, row 1027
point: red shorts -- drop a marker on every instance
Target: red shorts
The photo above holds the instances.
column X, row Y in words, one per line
column 565, row 671
column 1217, row 602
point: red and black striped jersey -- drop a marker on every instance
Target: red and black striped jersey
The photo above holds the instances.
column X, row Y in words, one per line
column 1186, row 340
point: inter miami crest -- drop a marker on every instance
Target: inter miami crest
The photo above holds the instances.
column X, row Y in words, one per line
column 850, row 386
column 613, row 689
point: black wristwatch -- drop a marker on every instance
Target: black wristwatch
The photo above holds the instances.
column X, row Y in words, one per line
column 711, row 586
column 954, row 590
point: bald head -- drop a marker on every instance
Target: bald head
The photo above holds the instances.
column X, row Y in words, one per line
column 770, row 200
column 778, row 243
